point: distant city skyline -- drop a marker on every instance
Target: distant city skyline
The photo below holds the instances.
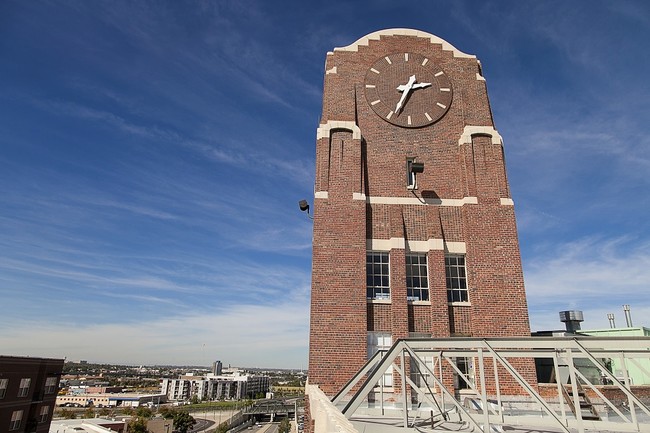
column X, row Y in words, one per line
column 152, row 157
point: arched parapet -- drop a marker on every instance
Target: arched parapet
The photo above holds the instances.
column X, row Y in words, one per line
column 325, row 129
column 470, row 131
column 365, row 40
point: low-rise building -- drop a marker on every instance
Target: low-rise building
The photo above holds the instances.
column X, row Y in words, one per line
column 110, row 399
column 28, row 388
column 90, row 425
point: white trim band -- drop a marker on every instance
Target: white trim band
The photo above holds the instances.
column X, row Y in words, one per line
column 416, row 246
column 423, row 202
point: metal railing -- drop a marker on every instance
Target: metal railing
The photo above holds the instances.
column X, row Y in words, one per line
column 489, row 400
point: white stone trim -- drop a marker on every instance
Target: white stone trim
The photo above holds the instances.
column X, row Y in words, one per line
column 416, row 246
column 507, row 202
column 455, row 247
column 469, row 131
column 331, row 71
column 479, row 77
column 384, row 244
column 409, row 200
column 422, row 202
column 365, row 40
column 324, row 130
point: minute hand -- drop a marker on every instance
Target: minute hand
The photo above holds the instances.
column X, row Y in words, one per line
column 405, row 89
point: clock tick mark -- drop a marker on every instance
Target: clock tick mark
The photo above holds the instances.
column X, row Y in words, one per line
column 374, row 70
column 406, row 57
column 445, row 89
column 388, row 60
column 409, row 120
column 428, row 117
column 439, row 74
column 375, row 102
column 389, row 115
column 441, row 105
column 425, row 61
column 372, row 86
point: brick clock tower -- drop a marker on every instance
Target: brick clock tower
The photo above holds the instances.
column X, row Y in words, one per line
column 414, row 225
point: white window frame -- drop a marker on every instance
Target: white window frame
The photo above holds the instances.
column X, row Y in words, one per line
column 16, row 420
column 44, row 414
column 456, row 280
column 374, row 291
column 422, row 285
column 50, row 384
column 25, row 384
column 381, row 341
column 4, row 384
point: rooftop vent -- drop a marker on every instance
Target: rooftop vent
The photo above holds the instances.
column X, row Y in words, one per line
column 571, row 319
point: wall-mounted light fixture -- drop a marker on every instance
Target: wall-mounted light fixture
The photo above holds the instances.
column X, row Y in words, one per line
column 304, row 207
column 412, row 169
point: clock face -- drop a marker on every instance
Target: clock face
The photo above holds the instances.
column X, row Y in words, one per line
column 408, row 90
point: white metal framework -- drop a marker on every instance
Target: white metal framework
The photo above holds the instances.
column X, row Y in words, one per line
column 567, row 407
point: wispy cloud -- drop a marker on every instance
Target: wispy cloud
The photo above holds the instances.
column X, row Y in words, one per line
column 587, row 273
column 235, row 335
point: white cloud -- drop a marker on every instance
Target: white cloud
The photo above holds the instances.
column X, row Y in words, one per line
column 276, row 335
column 596, row 275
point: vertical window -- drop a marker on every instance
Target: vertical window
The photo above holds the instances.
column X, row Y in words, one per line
column 421, row 368
column 43, row 414
column 417, row 284
column 381, row 341
column 377, row 276
column 16, row 419
column 456, row 278
column 465, row 365
column 3, row 387
column 24, row 387
column 50, row 385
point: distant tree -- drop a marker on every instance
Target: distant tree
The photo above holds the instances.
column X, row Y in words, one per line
column 104, row 412
column 137, row 425
column 195, row 399
column 285, row 426
column 144, row 412
column 89, row 413
column 67, row 414
column 166, row 412
column 183, row 421
column 128, row 410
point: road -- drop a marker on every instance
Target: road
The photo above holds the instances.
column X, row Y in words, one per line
column 201, row 425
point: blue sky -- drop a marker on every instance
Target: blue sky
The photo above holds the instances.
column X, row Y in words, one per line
column 152, row 155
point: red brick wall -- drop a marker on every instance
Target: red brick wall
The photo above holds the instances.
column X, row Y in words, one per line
column 375, row 165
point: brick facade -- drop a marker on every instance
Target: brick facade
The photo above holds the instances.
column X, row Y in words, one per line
column 461, row 205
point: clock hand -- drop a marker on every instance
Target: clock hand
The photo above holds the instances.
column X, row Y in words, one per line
column 402, row 87
column 405, row 89
column 420, row 85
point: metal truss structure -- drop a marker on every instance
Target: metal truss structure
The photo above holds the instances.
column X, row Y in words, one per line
column 565, row 409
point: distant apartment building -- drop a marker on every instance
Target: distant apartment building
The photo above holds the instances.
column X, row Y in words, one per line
column 109, row 399
column 28, row 389
column 235, row 386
